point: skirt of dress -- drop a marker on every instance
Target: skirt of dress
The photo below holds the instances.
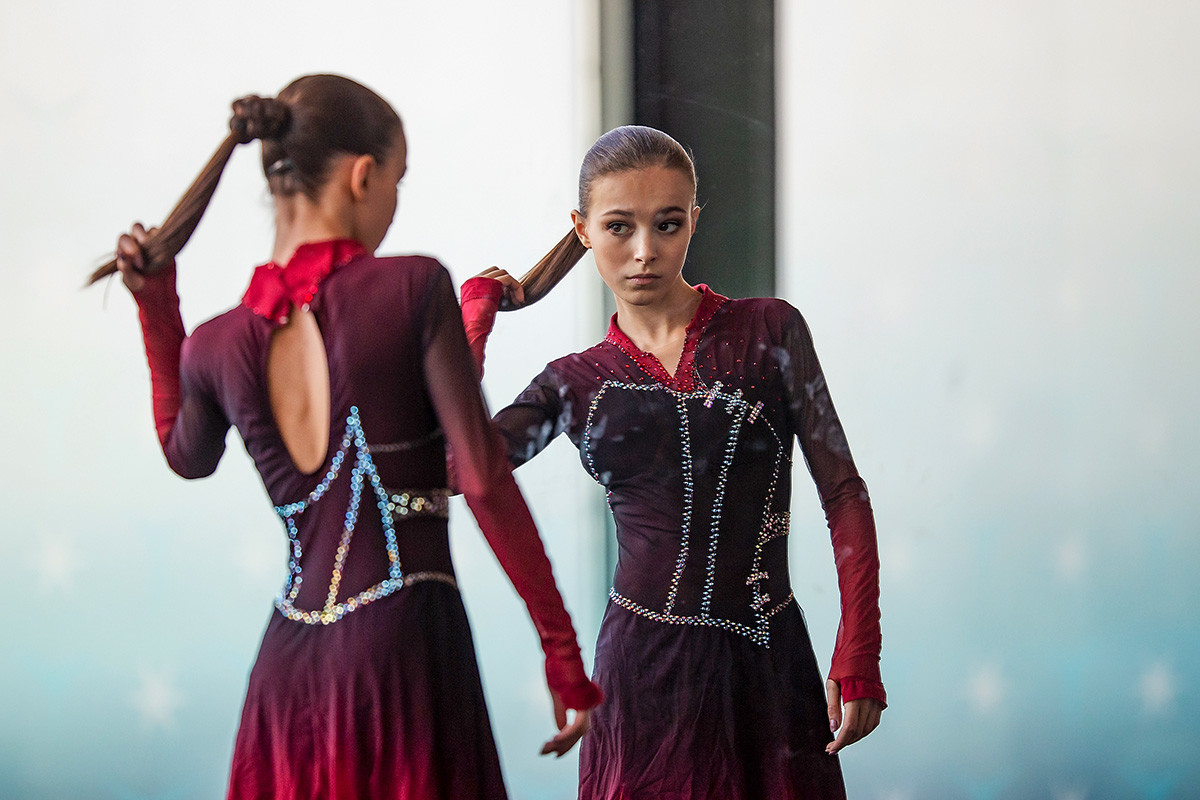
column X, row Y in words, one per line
column 699, row 713
column 385, row 703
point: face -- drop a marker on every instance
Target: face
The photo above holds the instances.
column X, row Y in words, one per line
column 638, row 226
column 381, row 194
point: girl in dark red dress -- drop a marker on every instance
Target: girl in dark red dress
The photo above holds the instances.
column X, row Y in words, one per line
column 686, row 414
column 347, row 375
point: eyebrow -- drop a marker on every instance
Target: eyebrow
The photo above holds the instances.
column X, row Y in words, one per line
column 620, row 212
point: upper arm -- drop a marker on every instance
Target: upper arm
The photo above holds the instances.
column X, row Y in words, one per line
column 453, row 386
column 814, row 420
column 197, row 439
column 539, row 414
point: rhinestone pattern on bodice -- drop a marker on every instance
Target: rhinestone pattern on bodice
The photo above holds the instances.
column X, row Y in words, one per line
column 725, row 554
column 392, row 506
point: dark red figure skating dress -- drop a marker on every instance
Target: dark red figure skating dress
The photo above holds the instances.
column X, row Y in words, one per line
column 366, row 684
column 712, row 690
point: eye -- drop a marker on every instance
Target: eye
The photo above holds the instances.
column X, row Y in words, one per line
column 669, row 225
column 619, row 228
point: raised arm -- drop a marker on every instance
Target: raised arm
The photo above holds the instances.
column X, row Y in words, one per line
column 855, row 663
column 191, row 426
column 541, row 412
column 485, row 479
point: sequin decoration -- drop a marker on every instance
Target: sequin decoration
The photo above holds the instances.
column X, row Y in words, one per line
column 740, row 413
column 391, row 505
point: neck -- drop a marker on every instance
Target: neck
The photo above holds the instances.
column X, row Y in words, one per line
column 662, row 321
column 298, row 220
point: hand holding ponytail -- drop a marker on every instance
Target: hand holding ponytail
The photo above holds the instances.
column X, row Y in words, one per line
column 253, row 118
column 546, row 274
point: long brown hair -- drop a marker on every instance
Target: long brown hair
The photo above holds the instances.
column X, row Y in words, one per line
column 630, row 147
column 314, row 118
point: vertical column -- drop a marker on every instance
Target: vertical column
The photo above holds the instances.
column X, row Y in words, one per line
column 704, row 72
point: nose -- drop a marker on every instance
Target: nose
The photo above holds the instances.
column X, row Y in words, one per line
column 644, row 251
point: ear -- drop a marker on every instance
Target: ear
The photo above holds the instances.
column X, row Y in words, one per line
column 580, row 223
column 695, row 217
column 362, row 172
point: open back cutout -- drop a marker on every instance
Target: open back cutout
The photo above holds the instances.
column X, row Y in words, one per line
column 298, row 387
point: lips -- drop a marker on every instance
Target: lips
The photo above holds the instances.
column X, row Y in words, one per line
column 644, row 279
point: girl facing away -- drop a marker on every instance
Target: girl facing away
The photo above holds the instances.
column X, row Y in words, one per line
column 686, row 414
column 347, row 375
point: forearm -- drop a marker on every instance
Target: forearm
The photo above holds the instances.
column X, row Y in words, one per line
column 855, row 664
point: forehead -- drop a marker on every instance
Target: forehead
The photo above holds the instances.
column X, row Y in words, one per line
column 647, row 189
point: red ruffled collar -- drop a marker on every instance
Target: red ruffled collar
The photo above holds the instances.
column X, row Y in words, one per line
column 684, row 379
column 274, row 290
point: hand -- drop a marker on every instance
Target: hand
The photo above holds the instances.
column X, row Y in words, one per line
column 514, row 292
column 861, row 717
column 131, row 257
column 567, row 735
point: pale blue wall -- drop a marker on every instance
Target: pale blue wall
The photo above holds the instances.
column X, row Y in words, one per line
column 987, row 215
column 135, row 600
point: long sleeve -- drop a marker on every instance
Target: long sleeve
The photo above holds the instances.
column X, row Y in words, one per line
column 191, row 426
column 485, row 479
column 855, row 663
column 540, row 413
column 480, row 300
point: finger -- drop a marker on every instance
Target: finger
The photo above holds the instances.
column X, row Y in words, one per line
column 862, row 717
column 495, row 273
column 849, row 729
column 130, row 262
column 565, row 739
column 833, row 705
column 560, row 711
column 513, row 289
column 129, row 252
column 848, row 735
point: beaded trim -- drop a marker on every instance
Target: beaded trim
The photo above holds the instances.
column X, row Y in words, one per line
column 390, row 505
column 760, row 635
column 419, row 503
column 684, row 378
column 774, row 524
column 404, row 447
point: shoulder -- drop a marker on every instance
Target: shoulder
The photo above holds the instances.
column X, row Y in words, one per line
column 217, row 341
column 771, row 316
column 411, row 270
column 592, row 363
column 215, row 332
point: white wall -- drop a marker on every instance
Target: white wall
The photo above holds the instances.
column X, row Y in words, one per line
column 989, row 217
column 136, row 600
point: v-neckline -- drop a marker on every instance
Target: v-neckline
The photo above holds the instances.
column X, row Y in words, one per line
column 684, row 378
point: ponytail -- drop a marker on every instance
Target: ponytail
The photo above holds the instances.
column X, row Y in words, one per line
column 630, row 147
column 314, row 119
column 253, row 118
column 546, row 274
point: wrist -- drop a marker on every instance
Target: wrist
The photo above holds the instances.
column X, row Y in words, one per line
column 481, row 288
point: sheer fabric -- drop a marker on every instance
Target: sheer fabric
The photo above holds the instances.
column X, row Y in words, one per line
column 381, row 698
column 703, row 654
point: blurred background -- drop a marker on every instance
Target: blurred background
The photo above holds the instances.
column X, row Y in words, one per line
column 987, row 211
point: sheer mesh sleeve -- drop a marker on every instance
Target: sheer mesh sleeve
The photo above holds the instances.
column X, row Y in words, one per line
column 485, row 479
column 191, row 425
column 855, row 663
column 540, row 413
column 480, row 301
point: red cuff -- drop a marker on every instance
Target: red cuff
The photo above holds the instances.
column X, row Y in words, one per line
column 163, row 335
column 859, row 688
column 480, row 288
column 480, row 301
